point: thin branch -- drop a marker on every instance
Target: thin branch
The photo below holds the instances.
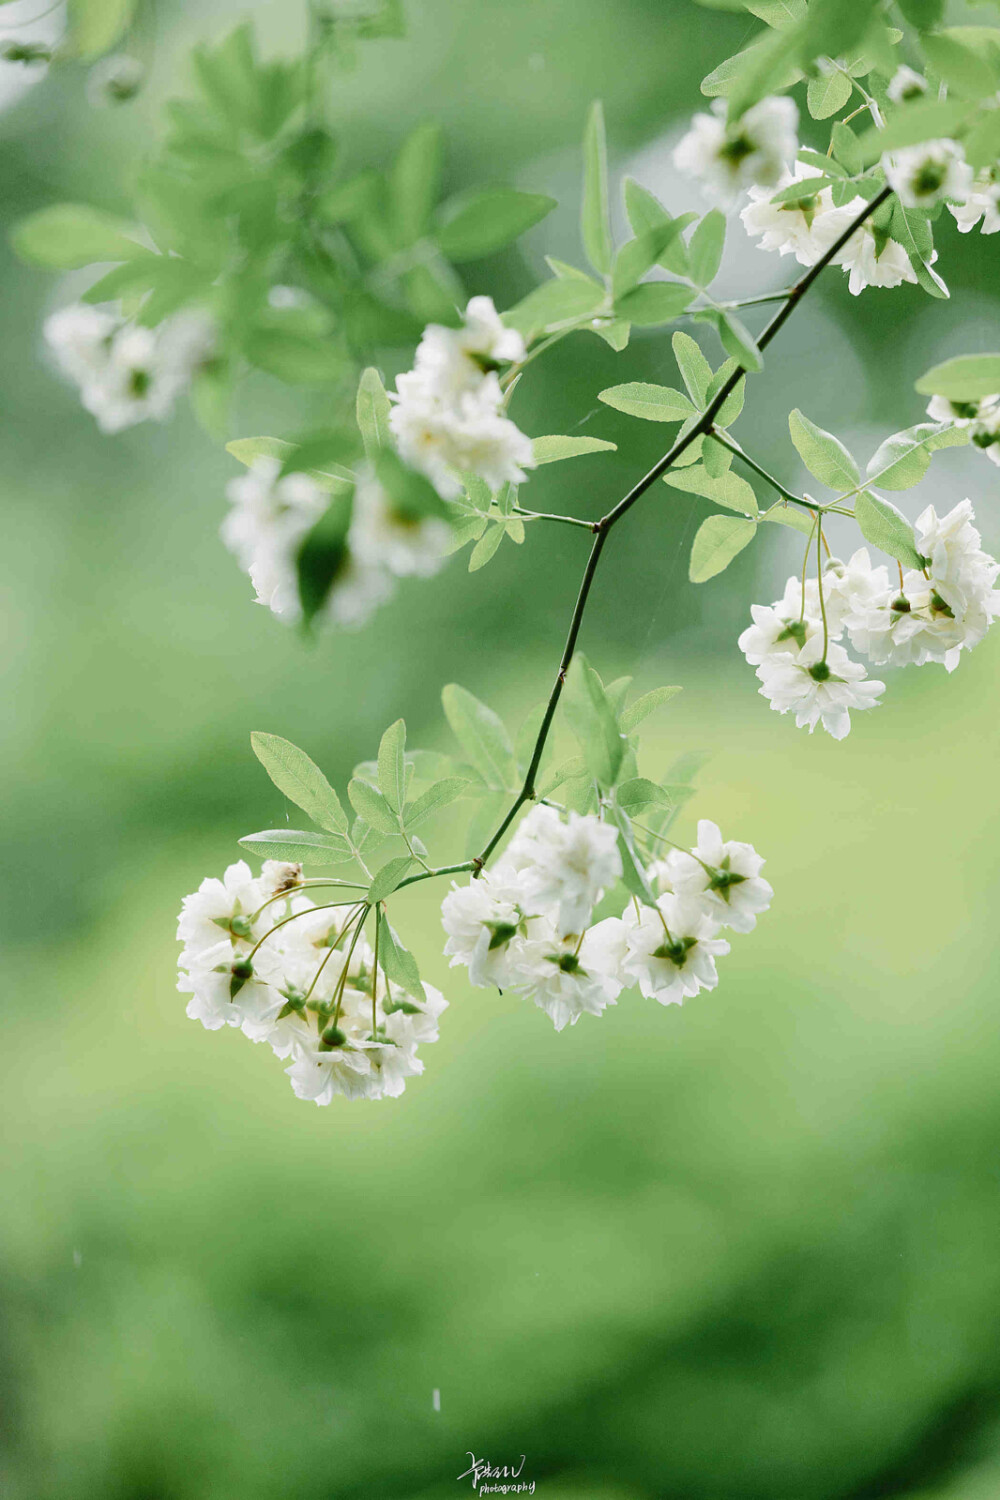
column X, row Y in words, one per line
column 751, row 463
column 542, row 515
column 704, row 425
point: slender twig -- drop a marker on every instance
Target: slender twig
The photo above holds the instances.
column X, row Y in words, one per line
column 703, row 425
column 726, row 441
column 542, row 515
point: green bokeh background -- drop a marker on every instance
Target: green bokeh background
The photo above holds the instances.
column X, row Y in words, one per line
column 743, row 1250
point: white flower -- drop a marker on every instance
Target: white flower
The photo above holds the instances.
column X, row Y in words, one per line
column 382, row 536
column 805, row 227
column 724, row 876
column 80, row 337
column 452, row 361
column 923, row 175
column 569, row 977
column 278, row 875
column 481, row 919
column 906, row 85
column 224, row 994
column 981, row 202
column 115, row 79
column 850, row 586
column 964, row 413
column 818, row 691
column 220, row 909
column 750, row 152
column 672, row 949
column 986, row 429
column 566, row 867
column 466, row 434
column 319, row 1072
column 774, row 633
column 269, row 519
column 871, row 262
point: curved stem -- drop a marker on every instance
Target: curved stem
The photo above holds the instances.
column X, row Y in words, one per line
column 603, row 528
column 544, row 515
column 726, row 441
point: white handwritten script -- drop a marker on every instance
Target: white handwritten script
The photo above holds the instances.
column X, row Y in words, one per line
column 482, row 1472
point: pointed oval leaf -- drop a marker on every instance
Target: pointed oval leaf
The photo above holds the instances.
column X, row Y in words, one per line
column 654, row 403
column 595, row 219
column 482, row 736
column 370, row 805
column 886, row 528
column 550, row 449
column 373, row 413
column 300, row 846
column 300, row 779
column 717, row 542
column 392, row 765
column 968, row 377
column 388, row 877
column 824, row 456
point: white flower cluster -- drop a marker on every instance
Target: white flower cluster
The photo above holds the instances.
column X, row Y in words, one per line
column 448, row 413
column 981, row 417
column 525, row 925
column 935, row 614
column 753, row 151
column 302, row 985
column 127, row 373
column 272, row 514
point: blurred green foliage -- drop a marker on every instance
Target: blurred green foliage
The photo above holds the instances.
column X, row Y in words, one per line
column 744, row 1249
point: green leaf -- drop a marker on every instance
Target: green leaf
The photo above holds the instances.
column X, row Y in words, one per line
column 728, row 489
column 96, row 25
column 965, row 71
column 482, row 736
column 248, row 450
column 322, row 556
column 982, row 144
column 733, row 404
column 388, row 877
column 694, row 367
column 300, row 846
column 592, row 720
column 824, row 456
column 634, row 714
column 923, row 120
column 392, row 766
column 300, row 779
column 903, row 459
column 486, row 547
column 67, row 235
column 845, row 148
column 755, row 68
column 550, row 449
column 784, row 514
column 640, row 792
column 615, row 335
column 923, row 13
column 433, row 799
column 373, row 413
column 705, row 248
column 739, row 342
column 633, row 869
column 716, row 459
column 641, row 254
column 397, row 962
column 654, row 302
column 655, row 403
column 595, row 219
column 370, row 805
column 296, row 358
column 886, row 528
column 570, row 770
column 479, row 223
column 968, row 377
column 413, row 182
column 781, row 14
column 554, row 304
column 646, row 212
column 828, row 93
column 717, row 542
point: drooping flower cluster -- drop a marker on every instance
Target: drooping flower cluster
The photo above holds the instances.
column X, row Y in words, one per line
column 448, row 413
column 272, row 513
column 981, row 417
column 933, row 615
column 128, row 373
column 526, row 924
column 752, row 152
column 260, row 955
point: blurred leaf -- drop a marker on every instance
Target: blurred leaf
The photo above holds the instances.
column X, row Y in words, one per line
column 554, row 304
column 824, row 456
column 845, row 147
column 638, row 793
column 924, row 120
column 433, row 800
column 595, row 218
column 300, row 779
column 373, row 413
column 886, row 528
column 655, row 403
column 784, row 514
column 922, row 13
column 781, row 14
column 549, row 450
column 636, row 257
column 982, row 144
column 413, row 181
column 633, row 869
column 248, row 450
column 716, row 543
column 322, row 556
column 478, row 223
column 412, row 495
column 728, row 489
column 482, row 736
column 67, row 235
column 590, row 716
column 654, row 302
column 96, row 25
column 965, row 71
column 299, row 846
column 296, row 358
column 705, row 248
column 968, row 377
column 369, row 804
column 646, row 212
column 756, row 62
column 632, row 716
